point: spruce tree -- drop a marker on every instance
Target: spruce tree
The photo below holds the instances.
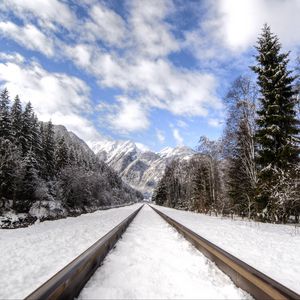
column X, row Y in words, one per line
column 278, row 127
column 4, row 115
column 199, row 189
column 37, row 146
column 16, row 120
column 9, row 165
column 27, row 137
column 160, row 194
column 49, row 149
column 28, row 183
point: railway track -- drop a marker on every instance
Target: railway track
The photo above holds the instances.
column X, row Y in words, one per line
column 67, row 283
column 257, row 284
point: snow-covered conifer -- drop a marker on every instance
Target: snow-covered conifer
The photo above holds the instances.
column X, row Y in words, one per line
column 16, row 120
column 27, row 137
column 4, row 115
column 278, row 127
column 49, row 149
column 9, row 163
column 27, row 183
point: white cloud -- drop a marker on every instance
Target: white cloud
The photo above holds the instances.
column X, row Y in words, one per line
column 229, row 28
column 48, row 12
column 12, row 57
column 159, row 83
column 151, row 33
column 55, row 96
column 28, row 36
column 238, row 23
column 104, row 24
column 214, row 122
column 142, row 147
column 177, row 136
column 160, row 135
column 137, row 65
column 141, row 67
column 129, row 116
column 81, row 54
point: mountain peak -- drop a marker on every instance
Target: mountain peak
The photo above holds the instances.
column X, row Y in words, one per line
column 177, row 151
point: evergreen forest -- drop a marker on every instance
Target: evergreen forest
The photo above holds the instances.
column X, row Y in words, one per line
column 46, row 174
column 253, row 171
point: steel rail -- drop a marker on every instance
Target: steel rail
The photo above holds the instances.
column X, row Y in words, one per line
column 68, row 282
column 257, row 284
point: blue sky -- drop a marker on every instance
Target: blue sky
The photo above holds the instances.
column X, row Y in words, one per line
column 153, row 71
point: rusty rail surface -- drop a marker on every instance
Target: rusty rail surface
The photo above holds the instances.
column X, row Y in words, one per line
column 244, row 276
column 68, row 282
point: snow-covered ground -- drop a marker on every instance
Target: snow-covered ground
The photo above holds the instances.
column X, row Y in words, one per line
column 152, row 261
column 29, row 256
column 271, row 248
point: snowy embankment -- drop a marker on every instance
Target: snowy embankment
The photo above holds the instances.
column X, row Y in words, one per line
column 30, row 256
column 270, row 248
column 152, row 261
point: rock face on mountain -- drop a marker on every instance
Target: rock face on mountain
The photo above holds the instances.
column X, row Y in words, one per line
column 71, row 139
column 140, row 169
column 110, row 174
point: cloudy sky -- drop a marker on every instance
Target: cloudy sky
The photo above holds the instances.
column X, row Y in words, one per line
column 152, row 71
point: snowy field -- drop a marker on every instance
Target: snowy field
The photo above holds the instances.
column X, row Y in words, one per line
column 271, row 248
column 30, row 256
column 152, row 261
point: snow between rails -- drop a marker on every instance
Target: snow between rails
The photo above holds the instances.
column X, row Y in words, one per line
column 153, row 261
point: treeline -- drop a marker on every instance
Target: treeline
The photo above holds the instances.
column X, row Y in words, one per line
column 254, row 170
column 41, row 168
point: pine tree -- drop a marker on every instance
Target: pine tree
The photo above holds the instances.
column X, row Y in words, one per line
column 9, row 164
column 28, row 183
column 16, row 120
column 37, row 146
column 4, row 115
column 278, row 146
column 200, row 193
column 160, row 194
column 27, row 137
column 49, row 149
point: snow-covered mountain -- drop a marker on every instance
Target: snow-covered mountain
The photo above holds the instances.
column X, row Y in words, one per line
column 117, row 154
column 139, row 168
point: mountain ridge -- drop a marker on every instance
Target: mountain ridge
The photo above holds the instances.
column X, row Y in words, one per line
column 140, row 169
